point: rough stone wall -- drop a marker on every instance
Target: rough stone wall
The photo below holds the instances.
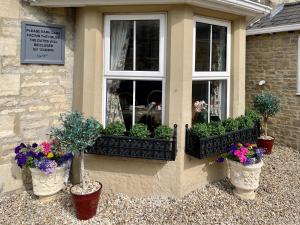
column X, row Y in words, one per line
column 31, row 96
column 273, row 57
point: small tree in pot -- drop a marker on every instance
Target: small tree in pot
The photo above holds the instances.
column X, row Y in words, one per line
column 76, row 134
column 267, row 105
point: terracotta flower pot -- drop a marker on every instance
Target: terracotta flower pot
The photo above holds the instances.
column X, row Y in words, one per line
column 267, row 144
column 86, row 205
column 47, row 184
column 244, row 178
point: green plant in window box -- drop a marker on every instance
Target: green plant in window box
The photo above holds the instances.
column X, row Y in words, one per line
column 139, row 130
column 252, row 114
column 201, row 129
column 216, row 128
column 231, row 125
column 115, row 129
column 163, row 132
column 245, row 122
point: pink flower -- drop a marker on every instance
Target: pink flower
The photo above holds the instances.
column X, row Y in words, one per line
column 244, row 151
column 46, row 146
column 242, row 158
column 237, row 153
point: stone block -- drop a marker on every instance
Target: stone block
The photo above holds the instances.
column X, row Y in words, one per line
column 9, row 85
column 10, row 8
column 10, row 177
column 7, row 125
column 8, row 46
column 39, row 108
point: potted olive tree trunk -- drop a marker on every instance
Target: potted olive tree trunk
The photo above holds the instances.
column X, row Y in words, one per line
column 267, row 105
column 76, row 134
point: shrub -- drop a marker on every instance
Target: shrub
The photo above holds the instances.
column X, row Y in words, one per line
column 115, row 129
column 252, row 114
column 139, row 130
column 245, row 122
column 163, row 132
column 216, row 128
column 231, row 125
column 267, row 105
column 77, row 133
column 201, row 129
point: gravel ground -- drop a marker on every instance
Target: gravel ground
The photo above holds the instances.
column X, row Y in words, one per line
column 277, row 202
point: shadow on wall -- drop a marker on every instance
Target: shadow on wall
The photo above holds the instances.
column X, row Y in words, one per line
column 118, row 165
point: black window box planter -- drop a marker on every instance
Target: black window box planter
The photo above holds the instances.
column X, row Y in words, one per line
column 206, row 147
column 133, row 147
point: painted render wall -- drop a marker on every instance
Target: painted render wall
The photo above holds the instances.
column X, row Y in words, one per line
column 31, row 96
column 274, row 58
column 146, row 177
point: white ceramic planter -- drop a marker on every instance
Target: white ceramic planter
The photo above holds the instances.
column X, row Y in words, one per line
column 47, row 184
column 244, row 178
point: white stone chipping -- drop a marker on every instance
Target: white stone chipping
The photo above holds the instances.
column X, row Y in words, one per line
column 277, row 202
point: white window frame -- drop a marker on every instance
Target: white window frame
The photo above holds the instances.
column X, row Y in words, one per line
column 209, row 74
column 135, row 75
column 298, row 79
column 215, row 75
column 162, row 45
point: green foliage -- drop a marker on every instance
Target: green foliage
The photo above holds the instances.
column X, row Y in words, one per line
column 245, row 122
column 163, row 132
column 267, row 104
column 139, row 130
column 201, row 129
column 115, row 129
column 231, row 125
column 77, row 132
column 252, row 114
column 216, row 128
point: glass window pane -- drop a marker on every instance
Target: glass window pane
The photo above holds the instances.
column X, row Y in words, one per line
column 121, row 45
column 202, row 54
column 199, row 102
column 148, row 103
column 119, row 102
column 218, row 100
column 219, row 39
column 147, row 45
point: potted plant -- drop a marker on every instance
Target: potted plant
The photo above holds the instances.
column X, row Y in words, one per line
column 267, row 105
column 244, row 163
column 47, row 163
column 76, row 134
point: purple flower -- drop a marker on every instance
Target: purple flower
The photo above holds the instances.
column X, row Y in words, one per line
column 39, row 155
column 21, row 160
column 220, row 160
column 34, row 145
column 259, row 152
column 249, row 161
column 31, row 154
column 47, row 166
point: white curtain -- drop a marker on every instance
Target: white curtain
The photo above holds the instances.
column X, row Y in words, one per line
column 119, row 39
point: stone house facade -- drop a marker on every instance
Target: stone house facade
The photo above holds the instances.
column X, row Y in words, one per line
column 33, row 96
column 273, row 55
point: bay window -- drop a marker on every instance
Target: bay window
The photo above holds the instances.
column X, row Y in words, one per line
column 211, row 70
column 134, row 73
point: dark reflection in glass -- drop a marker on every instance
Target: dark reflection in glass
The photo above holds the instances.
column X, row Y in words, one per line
column 202, row 53
column 147, row 45
column 148, row 108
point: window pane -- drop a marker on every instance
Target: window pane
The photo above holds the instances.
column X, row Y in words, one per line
column 119, row 102
column 148, row 108
column 147, row 45
column 218, row 97
column 200, row 101
column 219, row 38
column 202, row 55
column 121, row 45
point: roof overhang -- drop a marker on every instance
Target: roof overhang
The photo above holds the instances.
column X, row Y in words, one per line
column 277, row 29
column 239, row 7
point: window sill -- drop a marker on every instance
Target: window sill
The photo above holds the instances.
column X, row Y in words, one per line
column 298, row 93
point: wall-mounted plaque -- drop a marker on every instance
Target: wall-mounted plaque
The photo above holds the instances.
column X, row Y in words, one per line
column 42, row 43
